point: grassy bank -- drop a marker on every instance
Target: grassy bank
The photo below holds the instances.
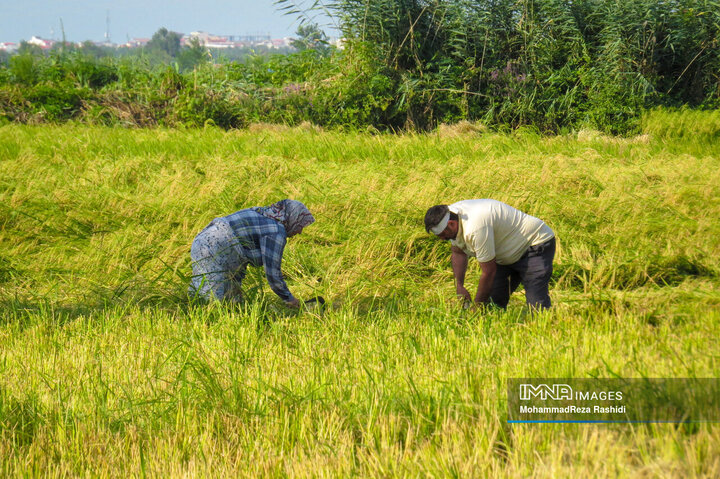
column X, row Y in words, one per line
column 106, row 369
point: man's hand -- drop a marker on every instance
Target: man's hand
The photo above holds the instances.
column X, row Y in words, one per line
column 463, row 293
column 294, row 303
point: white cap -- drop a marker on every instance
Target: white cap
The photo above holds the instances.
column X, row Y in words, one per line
column 440, row 227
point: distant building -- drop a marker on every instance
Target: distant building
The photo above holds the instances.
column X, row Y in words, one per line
column 41, row 42
column 209, row 40
column 9, row 47
column 250, row 39
column 281, row 42
column 137, row 42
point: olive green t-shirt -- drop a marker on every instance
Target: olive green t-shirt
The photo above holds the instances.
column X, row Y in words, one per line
column 492, row 229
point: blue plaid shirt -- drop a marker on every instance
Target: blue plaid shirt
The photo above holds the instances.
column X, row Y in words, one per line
column 262, row 241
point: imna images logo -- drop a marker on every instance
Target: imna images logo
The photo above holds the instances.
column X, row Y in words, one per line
column 544, row 392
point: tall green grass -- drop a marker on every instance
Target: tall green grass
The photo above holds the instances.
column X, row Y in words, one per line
column 106, row 369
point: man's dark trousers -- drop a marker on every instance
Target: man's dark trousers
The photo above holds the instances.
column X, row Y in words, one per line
column 533, row 270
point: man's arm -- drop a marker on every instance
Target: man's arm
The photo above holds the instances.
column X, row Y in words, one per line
column 489, row 268
column 459, row 261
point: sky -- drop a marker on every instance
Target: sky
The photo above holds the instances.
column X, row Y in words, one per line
column 86, row 19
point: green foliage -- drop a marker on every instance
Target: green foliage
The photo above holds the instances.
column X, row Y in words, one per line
column 203, row 107
column 164, row 42
column 85, row 71
column 311, row 37
column 92, row 50
column 550, row 65
column 359, row 95
column 546, row 63
column 24, row 69
column 29, row 49
column 193, row 55
column 55, row 104
column 242, row 54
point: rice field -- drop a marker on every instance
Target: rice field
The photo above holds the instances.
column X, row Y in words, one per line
column 108, row 370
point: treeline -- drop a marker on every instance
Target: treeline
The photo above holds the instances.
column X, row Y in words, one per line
column 410, row 64
column 164, row 48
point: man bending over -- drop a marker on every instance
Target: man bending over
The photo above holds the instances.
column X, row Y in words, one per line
column 512, row 247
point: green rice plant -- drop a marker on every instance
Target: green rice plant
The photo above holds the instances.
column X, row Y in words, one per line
column 699, row 126
column 108, row 369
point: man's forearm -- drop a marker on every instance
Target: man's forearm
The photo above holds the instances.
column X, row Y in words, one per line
column 489, row 268
column 459, row 262
column 484, row 288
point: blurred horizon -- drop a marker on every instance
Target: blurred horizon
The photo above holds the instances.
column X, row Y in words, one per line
column 82, row 20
